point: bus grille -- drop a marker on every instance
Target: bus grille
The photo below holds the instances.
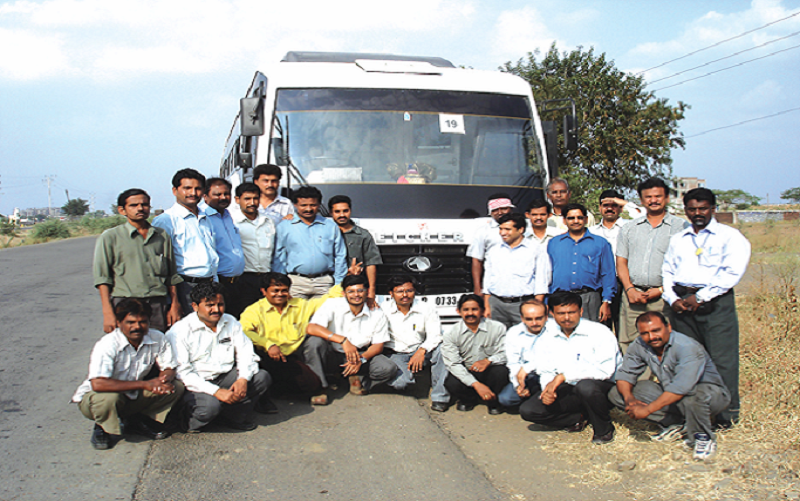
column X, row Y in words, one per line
column 453, row 277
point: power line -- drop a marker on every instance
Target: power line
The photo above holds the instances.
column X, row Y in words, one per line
column 720, row 43
column 743, row 122
column 727, row 68
column 726, row 57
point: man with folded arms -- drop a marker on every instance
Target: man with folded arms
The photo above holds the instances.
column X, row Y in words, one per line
column 216, row 363
column 131, row 376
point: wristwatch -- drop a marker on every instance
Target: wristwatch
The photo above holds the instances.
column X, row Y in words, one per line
column 363, row 360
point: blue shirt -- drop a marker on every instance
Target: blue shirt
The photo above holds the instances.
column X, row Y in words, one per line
column 192, row 241
column 588, row 262
column 310, row 249
column 227, row 242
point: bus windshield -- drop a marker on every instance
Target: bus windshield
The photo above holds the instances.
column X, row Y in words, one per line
column 409, row 136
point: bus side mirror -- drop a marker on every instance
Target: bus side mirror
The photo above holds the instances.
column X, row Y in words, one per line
column 251, row 116
column 570, row 132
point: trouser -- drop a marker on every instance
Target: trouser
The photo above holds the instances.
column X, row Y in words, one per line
column 309, row 288
column 503, row 312
column 405, row 377
column 183, row 291
column 591, row 305
column 509, row 396
column 695, row 409
column 202, row 408
column 107, row 408
column 302, row 371
column 495, row 377
column 233, row 301
column 716, row 327
column 628, row 332
column 378, row 370
column 587, row 399
column 159, row 306
column 248, row 288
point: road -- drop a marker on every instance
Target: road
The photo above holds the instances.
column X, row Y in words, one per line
column 382, row 446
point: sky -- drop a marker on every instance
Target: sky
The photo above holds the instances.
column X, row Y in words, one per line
column 101, row 96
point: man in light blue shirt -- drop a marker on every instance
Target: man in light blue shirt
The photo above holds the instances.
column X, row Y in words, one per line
column 192, row 236
column 516, row 270
column 227, row 241
column 310, row 248
column 521, row 341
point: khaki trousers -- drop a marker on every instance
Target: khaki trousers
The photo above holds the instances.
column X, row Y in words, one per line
column 106, row 408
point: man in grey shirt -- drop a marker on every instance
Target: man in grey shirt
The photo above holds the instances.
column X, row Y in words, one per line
column 641, row 246
column 689, row 387
column 473, row 350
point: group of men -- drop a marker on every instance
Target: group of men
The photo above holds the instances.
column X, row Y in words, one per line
column 272, row 293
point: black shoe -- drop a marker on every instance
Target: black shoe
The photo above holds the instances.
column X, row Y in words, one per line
column 440, row 406
column 464, row 407
column 265, row 406
column 604, row 439
column 100, row 439
column 577, row 427
column 240, row 425
column 722, row 424
column 495, row 411
column 147, row 427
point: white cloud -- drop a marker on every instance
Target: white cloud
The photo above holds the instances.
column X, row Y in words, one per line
column 28, row 56
column 766, row 94
column 522, row 30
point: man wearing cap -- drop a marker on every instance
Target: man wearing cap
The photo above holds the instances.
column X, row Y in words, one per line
column 488, row 235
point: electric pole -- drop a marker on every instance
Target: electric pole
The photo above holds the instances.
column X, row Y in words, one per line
column 49, row 180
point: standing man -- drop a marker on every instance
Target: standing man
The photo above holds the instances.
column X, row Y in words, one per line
column 641, row 246
column 516, row 270
column 310, row 248
column 216, row 363
column 136, row 260
column 538, row 213
column 131, row 376
column 559, row 194
column 257, row 232
column 360, row 244
column 611, row 207
column 487, row 236
column 689, row 388
column 702, row 265
column 227, row 241
column 415, row 337
column 268, row 177
column 521, row 353
column 583, row 264
column 355, row 336
column 576, row 372
column 191, row 233
column 473, row 351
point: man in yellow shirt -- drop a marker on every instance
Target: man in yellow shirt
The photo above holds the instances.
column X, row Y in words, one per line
column 277, row 326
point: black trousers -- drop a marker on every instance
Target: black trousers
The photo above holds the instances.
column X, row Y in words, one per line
column 495, row 377
column 587, row 399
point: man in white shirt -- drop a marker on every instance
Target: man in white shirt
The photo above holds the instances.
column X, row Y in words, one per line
column 192, row 236
column 538, row 213
column 521, row 352
column 355, row 336
column 216, row 363
column 702, row 265
column 559, row 195
column 276, row 207
column 131, row 376
column 257, row 232
column 516, row 270
column 415, row 336
column 576, row 374
column 487, row 236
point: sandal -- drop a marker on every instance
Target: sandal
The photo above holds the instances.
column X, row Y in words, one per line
column 355, row 386
column 321, row 399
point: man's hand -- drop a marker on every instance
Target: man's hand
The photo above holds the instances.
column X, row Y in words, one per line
column 523, row 392
column 109, row 321
column 239, row 389
column 691, row 303
column 167, row 376
column 159, row 387
column 351, row 369
column 289, row 216
column 371, row 303
column 617, row 201
column 483, row 391
column 605, row 312
column 173, row 314
column 355, row 268
column 480, row 365
column 679, row 306
column 351, row 352
column 521, row 375
column 225, row 396
column 275, row 353
column 549, row 395
column 652, row 294
column 635, row 296
column 417, row 360
column 637, row 410
column 487, row 310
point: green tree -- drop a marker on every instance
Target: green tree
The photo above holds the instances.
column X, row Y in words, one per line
column 76, row 207
column 792, row 195
column 626, row 134
column 739, row 199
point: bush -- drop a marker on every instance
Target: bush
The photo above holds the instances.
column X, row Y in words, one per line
column 96, row 225
column 50, row 230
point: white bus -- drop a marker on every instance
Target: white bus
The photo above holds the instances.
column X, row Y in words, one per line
column 416, row 143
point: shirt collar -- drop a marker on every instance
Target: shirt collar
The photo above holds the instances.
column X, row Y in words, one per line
column 123, row 342
column 668, row 219
column 317, row 220
column 182, row 212
column 466, row 330
column 415, row 306
column 713, row 228
column 133, row 231
column 239, row 217
column 195, row 324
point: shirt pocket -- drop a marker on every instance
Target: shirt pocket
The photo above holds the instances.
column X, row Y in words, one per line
column 158, row 265
column 590, row 265
column 325, row 244
column 711, row 257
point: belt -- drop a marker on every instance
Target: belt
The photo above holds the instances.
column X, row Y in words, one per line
column 645, row 287
column 517, row 299
column 228, row 280
column 254, row 273
column 196, row 280
column 583, row 290
column 682, row 290
column 315, row 275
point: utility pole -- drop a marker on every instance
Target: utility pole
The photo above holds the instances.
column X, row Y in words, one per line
column 49, row 180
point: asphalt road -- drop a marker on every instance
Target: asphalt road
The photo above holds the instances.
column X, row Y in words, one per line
column 383, row 446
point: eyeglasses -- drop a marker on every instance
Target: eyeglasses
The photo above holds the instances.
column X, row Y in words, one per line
column 354, row 291
column 403, row 292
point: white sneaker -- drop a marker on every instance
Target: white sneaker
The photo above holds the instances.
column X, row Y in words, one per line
column 704, row 450
column 671, row 433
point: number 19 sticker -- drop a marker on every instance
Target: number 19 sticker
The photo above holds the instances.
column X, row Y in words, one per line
column 451, row 124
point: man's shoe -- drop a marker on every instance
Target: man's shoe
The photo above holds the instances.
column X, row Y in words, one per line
column 671, row 433
column 100, row 439
column 464, row 407
column 240, row 425
column 265, row 406
column 440, row 406
column 147, row 427
column 356, row 388
column 704, row 449
column 577, row 427
column 603, row 439
column 496, row 410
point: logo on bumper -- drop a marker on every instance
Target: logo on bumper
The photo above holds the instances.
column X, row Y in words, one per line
column 421, row 264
